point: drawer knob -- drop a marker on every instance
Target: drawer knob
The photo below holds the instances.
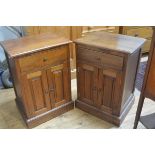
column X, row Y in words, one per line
column 45, row 59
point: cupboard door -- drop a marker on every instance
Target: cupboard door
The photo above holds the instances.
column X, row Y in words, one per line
column 36, row 92
column 59, row 84
column 87, row 77
column 109, row 90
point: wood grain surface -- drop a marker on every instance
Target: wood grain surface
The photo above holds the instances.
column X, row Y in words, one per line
column 105, row 40
column 30, row 44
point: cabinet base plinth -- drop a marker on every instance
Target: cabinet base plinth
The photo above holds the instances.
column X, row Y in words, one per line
column 37, row 120
column 116, row 120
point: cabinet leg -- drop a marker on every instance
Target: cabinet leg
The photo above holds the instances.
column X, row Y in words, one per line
column 139, row 109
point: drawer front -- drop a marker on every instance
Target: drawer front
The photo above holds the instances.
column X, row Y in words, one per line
column 140, row 32
column 100, row 58
column 43, row 58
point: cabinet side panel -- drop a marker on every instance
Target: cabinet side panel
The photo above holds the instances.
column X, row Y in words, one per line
column 15, row 75
column 130, row 77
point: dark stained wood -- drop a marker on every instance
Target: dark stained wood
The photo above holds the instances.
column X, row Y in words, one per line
column 31, row 44
column 109, row 89
column 87, row 85
column 50, row 114
column 100, row 58
column 115, row 42
column 129, row 84
column 58, row 84
column 40, row 68
column 43, row 58
column 106, row 71
column 148, row 88
column 35, row 89
column 102, row 114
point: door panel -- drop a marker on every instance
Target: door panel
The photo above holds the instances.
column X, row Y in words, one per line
column 36, row 92
column 87, row 87
column 109, row 89
column 59, row 89
column 59, row 85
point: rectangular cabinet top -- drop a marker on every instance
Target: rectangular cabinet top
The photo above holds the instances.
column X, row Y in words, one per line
column 116, row 42
column 30, row 44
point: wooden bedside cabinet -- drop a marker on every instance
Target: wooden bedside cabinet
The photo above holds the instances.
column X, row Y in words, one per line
column 106, row 72
column 40, row 68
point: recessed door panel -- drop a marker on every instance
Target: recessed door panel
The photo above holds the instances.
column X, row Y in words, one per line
column 87, row 83
column 36, row 92
column 59, row 85
column 109, row 90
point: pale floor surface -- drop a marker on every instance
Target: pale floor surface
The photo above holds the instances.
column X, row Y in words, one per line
column 75, row 119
